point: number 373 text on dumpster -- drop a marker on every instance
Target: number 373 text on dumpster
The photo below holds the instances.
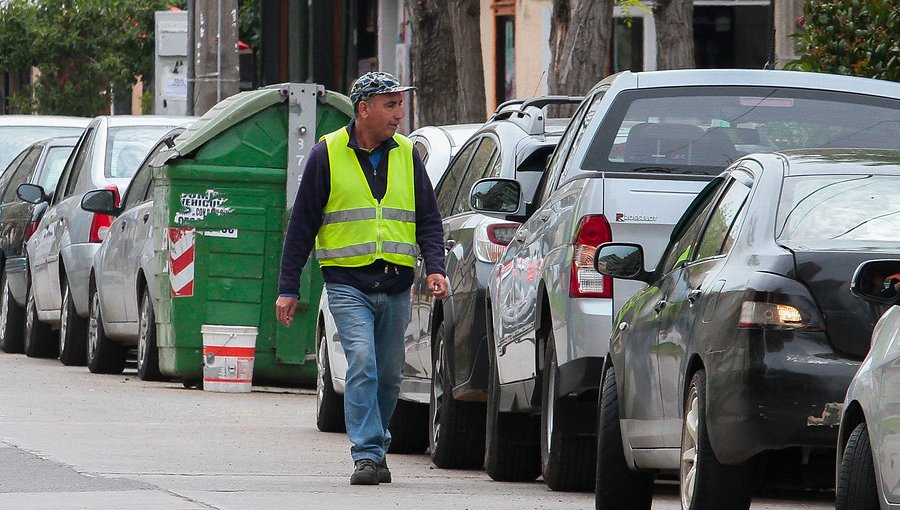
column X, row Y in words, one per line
column 197, row 206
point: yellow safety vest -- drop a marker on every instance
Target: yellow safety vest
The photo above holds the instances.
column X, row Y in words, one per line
column 356, row 229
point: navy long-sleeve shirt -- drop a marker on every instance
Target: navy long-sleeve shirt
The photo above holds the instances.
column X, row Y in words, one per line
column 306, row 219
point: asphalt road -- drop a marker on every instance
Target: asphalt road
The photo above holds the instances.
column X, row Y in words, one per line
column 73, row 440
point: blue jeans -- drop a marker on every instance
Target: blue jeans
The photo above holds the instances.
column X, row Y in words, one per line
column 371, row 328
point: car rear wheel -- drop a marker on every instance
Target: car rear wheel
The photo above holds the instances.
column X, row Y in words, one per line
column 147, row 351
column 104, row 355
column 455, row 428
column 511, row 444
column 72, row 329
column 567, row 445
column 39, row 341
column 705, row 483
column 11, row 318
column 617, row 486
column 856, row 484
column 409, row 428
column 329, row 403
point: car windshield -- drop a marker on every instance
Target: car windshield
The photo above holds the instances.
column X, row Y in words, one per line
column 702, row 129
column 13, row 139
column 127, row 147
column 834, row 210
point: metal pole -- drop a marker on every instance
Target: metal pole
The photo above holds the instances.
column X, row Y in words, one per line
column 191, row 56
column 219, row 51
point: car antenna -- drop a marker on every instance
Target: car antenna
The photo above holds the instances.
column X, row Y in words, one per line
column 771, row 63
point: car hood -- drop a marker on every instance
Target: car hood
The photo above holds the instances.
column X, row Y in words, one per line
column 849, row 320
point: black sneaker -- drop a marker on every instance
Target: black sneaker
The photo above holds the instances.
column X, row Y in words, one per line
column 384, row 474
column 364, row 473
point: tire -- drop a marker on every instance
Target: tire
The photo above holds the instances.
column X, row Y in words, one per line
column 617, row 486
column 409, row 428
column 147, row 350
column 104, row 356
column 705, row 483
column 39, row 341
column 568, row 446
column 12, row 317
column 455, row 428
column 72, row 332
column 856, row 484
column 511, row 443
column 329, row 403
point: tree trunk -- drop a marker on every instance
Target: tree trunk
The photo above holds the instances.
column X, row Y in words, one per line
column 433, row 62
column 674, row 34
column 465, row 24
column 580, row 43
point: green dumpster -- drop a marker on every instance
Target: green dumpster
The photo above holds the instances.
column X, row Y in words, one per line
column 223, row 200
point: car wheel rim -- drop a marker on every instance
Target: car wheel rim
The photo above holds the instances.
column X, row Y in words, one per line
column 4, row 308
column 94, row 325
column 320, row 373
column 437, row 392
column 551, row 404
column 64, row 320
column 689, row 449
column 142, row 333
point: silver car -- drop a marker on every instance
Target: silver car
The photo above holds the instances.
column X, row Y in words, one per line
column 62, row 250
column 868, row 463
column 20, row 131
column 438, row 144
column 121, row 290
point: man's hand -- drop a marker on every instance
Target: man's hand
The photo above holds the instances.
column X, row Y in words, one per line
column 285, row 308
column 437, row 284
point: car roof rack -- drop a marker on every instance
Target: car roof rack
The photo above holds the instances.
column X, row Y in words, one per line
column 528, row 114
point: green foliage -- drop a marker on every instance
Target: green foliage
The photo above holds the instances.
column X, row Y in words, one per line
column 82, row 48
column 851, row 37
column 249, row 23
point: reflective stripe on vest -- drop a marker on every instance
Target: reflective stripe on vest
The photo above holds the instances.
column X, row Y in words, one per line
column 357, row 229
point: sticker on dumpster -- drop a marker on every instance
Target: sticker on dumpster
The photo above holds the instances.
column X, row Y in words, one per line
column 225, row 232
column 181, row 261
column 197, row 206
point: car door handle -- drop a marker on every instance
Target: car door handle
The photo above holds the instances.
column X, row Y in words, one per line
column 544, row 215
column 521, row 234
column 146, row 217
column 694, row 295
column 122, row 225
column 449, row 244
column 660, row 305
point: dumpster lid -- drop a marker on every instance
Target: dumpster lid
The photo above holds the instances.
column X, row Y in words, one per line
column 225, row 114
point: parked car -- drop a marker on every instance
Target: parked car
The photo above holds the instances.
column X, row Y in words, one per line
column 20, row 131
column 61, row 251
column 438, row 144
column 442, row 393
column 869, row 438
column 639, row 148
column 741, row 344
column 121, row 286
column 40, row 163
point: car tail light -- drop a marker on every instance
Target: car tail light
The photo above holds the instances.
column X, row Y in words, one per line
column 31, row 229
column 100, row 222
column 755, row 314
column 492, row 238
column 593, row 230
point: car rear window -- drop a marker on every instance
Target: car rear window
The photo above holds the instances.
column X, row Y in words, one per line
column 13, row 139
column 128, row 145
column 827, row 210
column 702, row 129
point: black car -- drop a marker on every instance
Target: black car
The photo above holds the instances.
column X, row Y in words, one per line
column 40, row 163
column 740, row 347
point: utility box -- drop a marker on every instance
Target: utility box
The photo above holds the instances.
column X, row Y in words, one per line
column 223, row 200
column 170, row 82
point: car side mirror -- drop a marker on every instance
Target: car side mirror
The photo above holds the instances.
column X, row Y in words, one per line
column 498, row 197
column 100, row 201
column 877, row 281
column 621, row 260
column 32, row 193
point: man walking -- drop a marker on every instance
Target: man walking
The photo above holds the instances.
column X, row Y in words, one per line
column 365, row 200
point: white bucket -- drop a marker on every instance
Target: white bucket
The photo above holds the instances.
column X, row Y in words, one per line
column 228, row 353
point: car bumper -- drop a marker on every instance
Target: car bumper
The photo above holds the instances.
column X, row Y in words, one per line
column 78, row 259
column 775, row 389
column 580, row 357
column 16, row 276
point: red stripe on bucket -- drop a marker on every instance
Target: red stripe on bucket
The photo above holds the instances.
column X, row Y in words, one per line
column 215, row 379
column 237, row 352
